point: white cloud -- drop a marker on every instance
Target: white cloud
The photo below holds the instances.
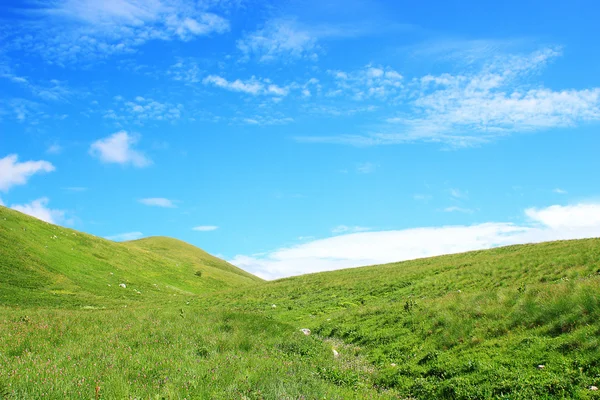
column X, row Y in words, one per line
column 475, row 107
column 368, row 248
column 458, row 194
column 53, row 89
column 68, row 30
column 285, row 39
column 185, row 70
column 158, row 202
column 39, row 209
column 205, row 228
column 117, row 148
column 251, row 86
column 263, row 120
column 279, row 38
column 368, row 82
column 122, row 237
column 560, row 191
column 54, row 149
column 143, row 109
column 567, row 217
column 13, row 172
column 348, row 229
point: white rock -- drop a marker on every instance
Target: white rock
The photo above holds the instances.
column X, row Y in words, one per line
column 393, row 364
column 306, row 331
column 335, row 353
column 122, row 285
column 593, row 388
column 273, row 306
column 541, row 366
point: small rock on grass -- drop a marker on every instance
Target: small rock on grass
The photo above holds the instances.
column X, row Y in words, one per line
column 306, row 331
column 593, row 388
column 335, row 353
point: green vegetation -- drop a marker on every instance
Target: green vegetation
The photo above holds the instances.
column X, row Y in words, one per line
column 517, row 322
column 47, row 265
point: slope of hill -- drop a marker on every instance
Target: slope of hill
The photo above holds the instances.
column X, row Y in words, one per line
column 513, row 322
column 44, row 264
column 517, row 322
column 193, row 257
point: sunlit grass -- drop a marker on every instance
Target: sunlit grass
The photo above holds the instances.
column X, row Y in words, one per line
column 519, row 322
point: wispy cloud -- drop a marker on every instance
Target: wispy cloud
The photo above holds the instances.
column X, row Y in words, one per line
column 368, row 248
column 118, row 149
column 13, row 172
column 123, row 237
column 458, row 194
column 344, row 229
column 53, row 89
column 368, row 82
column 70, row 30
column 40, row 210
column 560, row 191
column 263, row 120
column 251, row 86
column 186, row 71
column 279, row 38
column 286, row 38
column 141, row 109
column 473, row 108
column 158, row 202
column 205, row 228
column 54, row 149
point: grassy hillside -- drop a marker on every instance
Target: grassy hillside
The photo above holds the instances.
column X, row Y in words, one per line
column 195, row 258
column 517, row 322
column 465, row 326
column 44, row 264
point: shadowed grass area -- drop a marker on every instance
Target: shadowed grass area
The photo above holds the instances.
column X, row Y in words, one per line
column 517, row 322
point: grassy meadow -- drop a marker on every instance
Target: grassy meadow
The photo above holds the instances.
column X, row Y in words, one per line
column 517, row 322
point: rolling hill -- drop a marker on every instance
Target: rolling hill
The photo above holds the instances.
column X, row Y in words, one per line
column 516, row 322
column 45, row 264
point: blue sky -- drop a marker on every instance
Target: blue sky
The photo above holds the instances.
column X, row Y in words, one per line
column 298, row 136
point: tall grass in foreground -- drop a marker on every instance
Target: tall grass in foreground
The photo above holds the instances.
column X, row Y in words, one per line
column 171, row 353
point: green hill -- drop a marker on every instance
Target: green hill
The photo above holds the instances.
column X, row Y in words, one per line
column 44, row 264
column 513, row 322
column 518, row 322
column 194, row 257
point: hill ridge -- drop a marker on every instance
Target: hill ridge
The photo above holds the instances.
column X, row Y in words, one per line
column 47, row 264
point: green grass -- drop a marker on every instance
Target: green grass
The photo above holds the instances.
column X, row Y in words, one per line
column 468, row 326
column 47, row 265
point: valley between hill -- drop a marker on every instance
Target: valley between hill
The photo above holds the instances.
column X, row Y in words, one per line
column 82, row 317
